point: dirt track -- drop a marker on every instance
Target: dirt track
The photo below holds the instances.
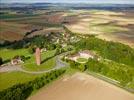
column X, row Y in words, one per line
column 81, row 87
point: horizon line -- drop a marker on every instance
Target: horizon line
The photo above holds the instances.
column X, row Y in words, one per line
column 62, row 3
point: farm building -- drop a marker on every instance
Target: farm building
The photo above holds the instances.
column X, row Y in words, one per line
column 86, row 54
column 16, row 60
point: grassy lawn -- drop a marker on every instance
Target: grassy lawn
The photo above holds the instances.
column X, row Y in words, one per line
column 12, row 78
column 82, row 60
column 7, row 54
column 45, row 65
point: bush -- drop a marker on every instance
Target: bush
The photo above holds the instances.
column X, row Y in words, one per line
column 31, row 50
column 1, row 61
column 17, row 92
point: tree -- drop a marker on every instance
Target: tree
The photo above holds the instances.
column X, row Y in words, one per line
column 31, row 50
column 1, row 61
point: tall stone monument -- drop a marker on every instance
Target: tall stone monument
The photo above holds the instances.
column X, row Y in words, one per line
column 38, row 56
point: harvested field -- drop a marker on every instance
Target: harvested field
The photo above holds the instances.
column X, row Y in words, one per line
column 41, row 20
column 12, row 31
column 46, row 31
column 109, row 25
column 81, row 86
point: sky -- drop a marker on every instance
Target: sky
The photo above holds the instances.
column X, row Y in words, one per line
column 71, row 1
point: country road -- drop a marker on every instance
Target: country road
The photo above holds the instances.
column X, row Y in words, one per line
column 12, row 68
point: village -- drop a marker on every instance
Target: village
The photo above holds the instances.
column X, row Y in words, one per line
column 66, row 51
column 39, row 55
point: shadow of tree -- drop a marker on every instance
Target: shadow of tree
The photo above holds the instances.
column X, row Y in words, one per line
column 6, row 61
column 47, row 59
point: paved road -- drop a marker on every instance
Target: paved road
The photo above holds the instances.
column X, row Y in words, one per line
column 11, row 68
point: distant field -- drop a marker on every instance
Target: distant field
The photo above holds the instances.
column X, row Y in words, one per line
column 15, row 26
column 109, row 25
column 47, row 30
column 13, row 16
column 40, row 20
column 12, row 31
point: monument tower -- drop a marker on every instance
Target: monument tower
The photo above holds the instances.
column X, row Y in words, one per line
column 38, row 56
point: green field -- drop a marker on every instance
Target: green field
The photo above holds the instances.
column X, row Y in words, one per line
column 45, row 65
column 82, row 60
column 13, row 16
column 12, row 78
column 30, row 65
column 8, row 54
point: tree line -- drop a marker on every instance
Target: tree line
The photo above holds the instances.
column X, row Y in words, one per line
column 108, row 50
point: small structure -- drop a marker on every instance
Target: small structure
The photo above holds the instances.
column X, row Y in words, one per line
column 82, row 54
column 38, row 56
column 16, row 60
column 86, row 54
column 73, row 57
column 43, row 50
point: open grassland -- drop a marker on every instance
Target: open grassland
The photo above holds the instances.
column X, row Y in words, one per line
column 8, row 54
column 13, row 78
column 109, row 25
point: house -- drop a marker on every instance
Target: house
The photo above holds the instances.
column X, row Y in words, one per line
column 16, row 60
column 83, row 54
column 43, row 50
column 86, row 54
column 73, row 57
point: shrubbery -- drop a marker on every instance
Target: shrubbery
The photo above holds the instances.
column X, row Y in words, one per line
column 22, row 91
column 1, row 61
column 117, row 72
column 76, row 65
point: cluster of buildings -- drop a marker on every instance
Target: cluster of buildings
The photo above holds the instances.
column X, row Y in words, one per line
column 83, row 54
